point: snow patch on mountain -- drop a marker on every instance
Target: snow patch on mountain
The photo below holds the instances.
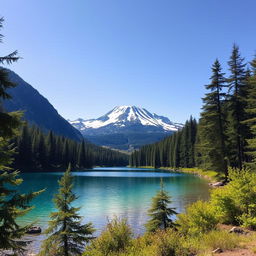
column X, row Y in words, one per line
column 123, row 116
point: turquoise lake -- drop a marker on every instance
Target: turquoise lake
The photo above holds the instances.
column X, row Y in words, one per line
column 107, row 192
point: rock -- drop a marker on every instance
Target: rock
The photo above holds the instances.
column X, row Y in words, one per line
column 236, row 230
column 34, row 230
column 218, row 250
column 217, row 184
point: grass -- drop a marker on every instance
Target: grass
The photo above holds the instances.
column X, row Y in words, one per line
column 212, row 176
column 206, row 243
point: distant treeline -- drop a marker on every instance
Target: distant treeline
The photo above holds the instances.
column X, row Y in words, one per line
column 40, row 151
column 176, row 150
column 226, row 132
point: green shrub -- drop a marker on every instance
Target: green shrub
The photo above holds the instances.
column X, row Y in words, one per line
column 226, row 208
column 237, row 198
column 169, row 243
column 248, row 221
column 112, row 241
column 199, row 218
column 160, row 243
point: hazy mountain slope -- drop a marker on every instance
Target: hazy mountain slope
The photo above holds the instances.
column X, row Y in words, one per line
column 38, row 110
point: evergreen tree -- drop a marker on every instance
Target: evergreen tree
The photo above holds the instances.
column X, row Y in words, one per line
column 251, row 114
column 8, row 121
column 159, row 212
column 50, row 148
column 81, row 155
column 237, row 130
column 24, row 147
column 212, row 145
column 67, row 236
column 12, row 204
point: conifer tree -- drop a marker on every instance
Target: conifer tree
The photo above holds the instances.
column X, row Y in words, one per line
column 251, row 114
column 212, row 145
column 160, row 214
column 50, row 148
column 81, row 161
column 7, row 120
column 12, row 204
column 67, row 236
column 236, row 109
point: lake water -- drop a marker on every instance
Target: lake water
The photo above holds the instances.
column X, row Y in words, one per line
column 107, row 192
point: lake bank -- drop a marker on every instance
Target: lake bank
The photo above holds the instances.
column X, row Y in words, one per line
column 211, row 176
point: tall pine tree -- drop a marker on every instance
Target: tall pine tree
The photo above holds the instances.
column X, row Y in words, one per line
column 251, row 115
column 12, row 204
column 236, row 109
column 212, row 146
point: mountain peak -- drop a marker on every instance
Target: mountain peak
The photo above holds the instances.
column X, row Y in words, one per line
column 127, row 116
column 126, row 127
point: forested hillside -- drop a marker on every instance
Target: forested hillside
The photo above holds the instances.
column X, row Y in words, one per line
column 39, row 151
column 225, row 134
column 176, row 150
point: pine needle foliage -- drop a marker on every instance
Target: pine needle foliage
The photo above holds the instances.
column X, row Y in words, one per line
column 251, row 115
column 160, row 213
column 237, row 130
column 212, row 146
column 66, row 235
column 12, row 203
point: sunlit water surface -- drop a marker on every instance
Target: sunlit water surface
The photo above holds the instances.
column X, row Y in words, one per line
column 107, row 192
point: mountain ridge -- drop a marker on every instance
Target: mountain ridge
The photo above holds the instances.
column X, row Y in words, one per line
column 125, row 124
column 37, row 109
column 126, row 115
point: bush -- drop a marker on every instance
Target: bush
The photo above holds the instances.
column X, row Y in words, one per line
column 112, row 241
column 238, row 197
column 200, row 217
column 160, row 243
column 248, row 221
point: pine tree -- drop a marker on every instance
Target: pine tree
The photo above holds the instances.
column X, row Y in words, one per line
column 212, row 145
column 50, row 148
column 236, row 109
column 81, row 161
column 159, row 212
column 66, row 233
column 251, row 113
column 12, row 204
column 8, row 121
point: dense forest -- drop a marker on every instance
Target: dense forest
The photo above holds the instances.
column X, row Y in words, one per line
column 36, row 150
column 225, row 133
column 176, row 150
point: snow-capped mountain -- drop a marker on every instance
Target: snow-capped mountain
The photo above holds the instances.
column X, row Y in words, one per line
column 130, row 125
column 126, row 116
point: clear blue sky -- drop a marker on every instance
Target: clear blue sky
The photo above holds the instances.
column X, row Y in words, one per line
column 87, row 56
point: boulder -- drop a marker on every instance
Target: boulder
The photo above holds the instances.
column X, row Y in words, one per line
column 217, row 184
column 236, row 230
column 34, row 230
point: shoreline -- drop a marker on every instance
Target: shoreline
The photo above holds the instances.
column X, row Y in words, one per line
column 210, row 176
